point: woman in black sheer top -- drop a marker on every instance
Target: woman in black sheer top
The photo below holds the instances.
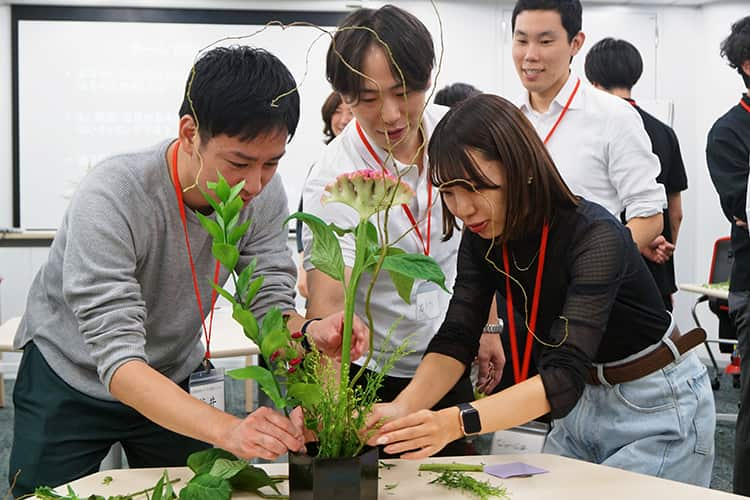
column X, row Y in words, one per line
column 615, row 374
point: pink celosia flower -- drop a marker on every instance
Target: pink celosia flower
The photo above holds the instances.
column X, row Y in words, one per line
column 367, row 191
column 275, row 356
column 292, row 369
column 295, row 361
column 297, row 335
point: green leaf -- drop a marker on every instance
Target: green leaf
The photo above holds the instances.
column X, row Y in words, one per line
column 243, row 280
column 309, row 395
column 264, row 378
column 340, row 230
column 272, row 342
column 236, row 233
column 236, row 190
column 251, row 479
column 222, row 189
column 201, row 462
column 206, row 487
column 218, row 208
column 248, row 322
column 253, row 289
column 226, row 469
column 403, row 285
column 416, row 266
column 273, row 321
column 211, row 227
column 227, row 254
column 156, row 494
column 223, row 292
column 232, row 211
column 326, row 252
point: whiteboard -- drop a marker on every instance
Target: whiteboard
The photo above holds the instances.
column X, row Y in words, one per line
column 92, row 89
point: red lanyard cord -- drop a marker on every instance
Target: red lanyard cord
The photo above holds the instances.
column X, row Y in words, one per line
column 181, row 204
column 425, row 246
column 562, row 113
column 521, row 373
column 745, row 105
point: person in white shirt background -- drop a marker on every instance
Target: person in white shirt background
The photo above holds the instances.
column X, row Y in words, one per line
column 596, row 140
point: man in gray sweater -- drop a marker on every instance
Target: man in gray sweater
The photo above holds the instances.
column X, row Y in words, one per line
column 112, row 327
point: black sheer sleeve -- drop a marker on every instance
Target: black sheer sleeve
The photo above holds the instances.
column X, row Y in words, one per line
column 598, row 263
column 458, row 336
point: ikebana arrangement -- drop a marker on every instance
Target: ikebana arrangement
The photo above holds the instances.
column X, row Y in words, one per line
column 335, row 406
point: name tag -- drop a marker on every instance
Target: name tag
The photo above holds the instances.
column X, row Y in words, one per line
column 427, row 302
column 208, row 386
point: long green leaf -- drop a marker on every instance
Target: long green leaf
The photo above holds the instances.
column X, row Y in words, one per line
column 248, row 322
column 326, row 252
column 308, row 395
column 236, row 233
column 227, row 254
column 264, row 378
column 417, row 266
column 273, row 341
column 243, row 280
column 211, row 227
column 253, row 289
column 206, row 487
column 273, row 321
column 227, row 469
column 201, row 462
column 251, row 479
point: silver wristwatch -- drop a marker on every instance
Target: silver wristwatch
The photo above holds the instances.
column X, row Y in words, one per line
column 493, row 328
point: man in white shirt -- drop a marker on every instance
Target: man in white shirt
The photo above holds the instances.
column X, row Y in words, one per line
column 596, row 140
column 598, row 143
column 391, row 128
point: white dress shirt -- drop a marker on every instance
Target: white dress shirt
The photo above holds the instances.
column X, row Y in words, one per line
column 601, row 150
column 420, row 320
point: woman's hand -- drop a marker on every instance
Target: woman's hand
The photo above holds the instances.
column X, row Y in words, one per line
column 424, row 433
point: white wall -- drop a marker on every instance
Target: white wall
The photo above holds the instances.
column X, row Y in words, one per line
column 690, row 72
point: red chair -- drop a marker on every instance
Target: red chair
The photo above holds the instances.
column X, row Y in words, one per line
column 721, row 267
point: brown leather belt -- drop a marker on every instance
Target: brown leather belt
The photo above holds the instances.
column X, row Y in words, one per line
column 649, row 363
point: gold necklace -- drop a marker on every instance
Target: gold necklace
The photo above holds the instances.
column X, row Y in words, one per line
column 524, row 269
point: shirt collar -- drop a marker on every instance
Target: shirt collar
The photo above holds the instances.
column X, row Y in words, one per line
column 560, row 99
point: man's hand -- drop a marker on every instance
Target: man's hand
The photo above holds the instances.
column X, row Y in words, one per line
column 659, row 250
column 491, row 360
column 326, row 334
column 265, row 434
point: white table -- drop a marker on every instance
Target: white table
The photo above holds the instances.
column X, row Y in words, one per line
column 228, row 340
column 567, row 479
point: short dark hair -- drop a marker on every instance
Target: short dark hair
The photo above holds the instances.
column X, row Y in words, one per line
column 407, row 38
column 613, row 64
column 571, row 13
column 736, row 47
column 332, row 102
column 235, row 91
column 499, row 131
column 450, row 95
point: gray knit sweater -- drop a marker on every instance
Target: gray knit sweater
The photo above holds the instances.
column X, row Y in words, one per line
column 117, row 285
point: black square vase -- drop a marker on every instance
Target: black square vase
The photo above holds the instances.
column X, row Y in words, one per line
column 353, row 478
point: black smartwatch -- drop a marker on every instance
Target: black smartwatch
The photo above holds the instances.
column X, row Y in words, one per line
column 469, row 419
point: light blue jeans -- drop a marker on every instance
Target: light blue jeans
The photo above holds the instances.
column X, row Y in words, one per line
column 661, row 424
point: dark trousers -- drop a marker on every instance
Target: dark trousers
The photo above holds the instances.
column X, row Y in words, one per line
column 739, row 312
column 462, row 392
column 61, row 434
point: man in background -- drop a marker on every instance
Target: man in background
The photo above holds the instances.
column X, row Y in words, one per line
column 615, row 66
column 728, row 155
column 596, row 140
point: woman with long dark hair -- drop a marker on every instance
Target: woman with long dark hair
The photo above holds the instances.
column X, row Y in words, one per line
column 618, row 378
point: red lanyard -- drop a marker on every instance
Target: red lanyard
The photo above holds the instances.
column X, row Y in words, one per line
column 565, row 110
column 178, row 192
column 744, row 105
column 519, row 373
column 425, row 246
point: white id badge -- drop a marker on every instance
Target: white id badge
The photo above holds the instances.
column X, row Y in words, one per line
column 428, row 301
column 208, row 386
